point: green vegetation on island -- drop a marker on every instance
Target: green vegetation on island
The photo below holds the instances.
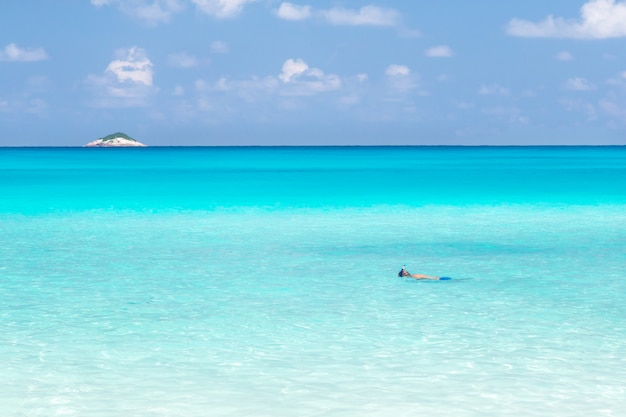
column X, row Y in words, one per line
column 117, row 135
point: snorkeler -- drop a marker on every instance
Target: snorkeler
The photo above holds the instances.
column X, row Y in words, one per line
column 405, row 273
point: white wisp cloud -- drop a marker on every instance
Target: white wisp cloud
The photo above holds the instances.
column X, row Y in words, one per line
column 395, row 70
column 219, row 47
column 183, row 60
column 578, row 84
column 563, row 56
column 439, row 51
column 14, row 53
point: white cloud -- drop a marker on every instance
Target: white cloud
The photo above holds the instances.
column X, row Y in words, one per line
column 440, row 51
column 599, row 19
column 395, row 70
column 219, row 47
column 365, row 16
column 563, row 56
column 301, row 80
column 578, row 84
column 183, row 60
column 13, row 53
column 151, row 12
column 127, row 80
column 222, row 8
column 400, row 80
column 132, row 65
column 289, row 11
column 160, row 11
column 292, row 68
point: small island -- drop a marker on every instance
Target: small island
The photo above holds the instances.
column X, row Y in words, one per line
column 115, row 140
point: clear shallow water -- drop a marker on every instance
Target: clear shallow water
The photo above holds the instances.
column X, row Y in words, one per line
column 262, row 282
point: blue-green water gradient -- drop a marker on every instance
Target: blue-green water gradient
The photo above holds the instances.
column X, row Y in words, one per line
column 263, row 281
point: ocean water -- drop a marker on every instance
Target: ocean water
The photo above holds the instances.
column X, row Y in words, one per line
column 263, row 281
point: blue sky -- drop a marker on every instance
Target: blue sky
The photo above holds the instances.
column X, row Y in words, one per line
column 266, row 72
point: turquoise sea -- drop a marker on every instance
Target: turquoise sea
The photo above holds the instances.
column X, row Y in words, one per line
column 263, row 282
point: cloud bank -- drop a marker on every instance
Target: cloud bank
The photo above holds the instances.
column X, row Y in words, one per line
column 599, row 19
column 296, row 79
column 154, row 12
column 222, row 8
column 340, row 16
column 365, row 16
column 151, row 12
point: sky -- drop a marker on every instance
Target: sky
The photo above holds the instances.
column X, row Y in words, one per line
column 313, row 72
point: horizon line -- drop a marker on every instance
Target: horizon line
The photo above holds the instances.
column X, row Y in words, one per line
column 318, row 146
